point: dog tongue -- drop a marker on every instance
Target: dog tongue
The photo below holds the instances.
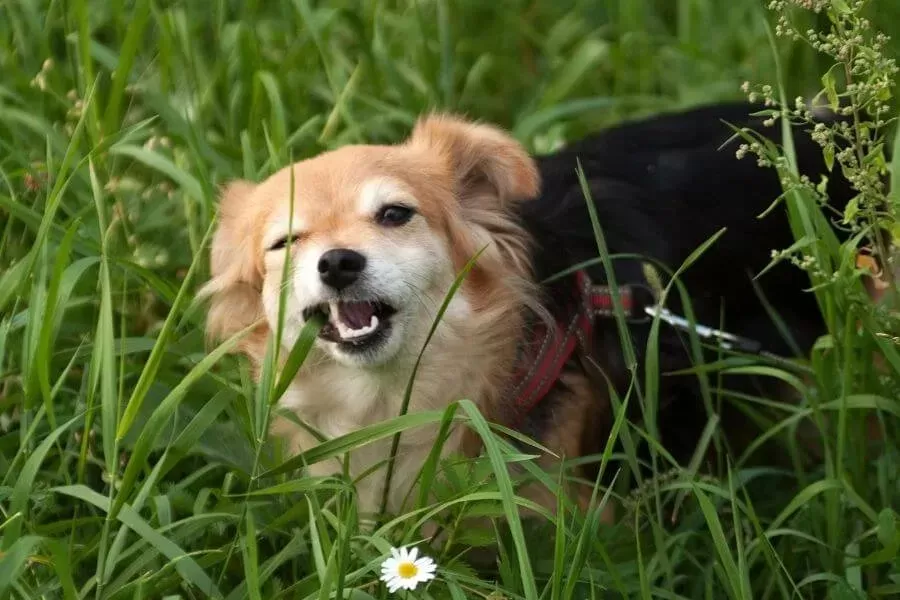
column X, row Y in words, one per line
column 356, row 315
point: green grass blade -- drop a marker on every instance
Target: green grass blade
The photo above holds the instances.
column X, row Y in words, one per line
column 297, row 356
column 154, row 361
column 163, row 413
column 895, row 174
column 105, row 370
column 15, row 559
column 340, row 445
column 732, row 578
column 131, row 45
column 186, row 566
column 25, row 483
column 156, row 161
column 480, row 425
column 251, row 557
column 404, row 407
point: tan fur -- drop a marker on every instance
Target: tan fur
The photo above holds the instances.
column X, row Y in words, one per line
column 237, row 273
column 465, row 179
column 565, row 437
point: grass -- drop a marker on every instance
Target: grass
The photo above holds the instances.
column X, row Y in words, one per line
column 134, row 461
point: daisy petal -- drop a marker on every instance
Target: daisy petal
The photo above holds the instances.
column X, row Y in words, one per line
column 406, row 568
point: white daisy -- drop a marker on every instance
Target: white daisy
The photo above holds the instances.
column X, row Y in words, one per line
column 403, row 571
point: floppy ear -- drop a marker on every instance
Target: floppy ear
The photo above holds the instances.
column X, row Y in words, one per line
column 235, row 287
column 490, row 173
column 484, row 161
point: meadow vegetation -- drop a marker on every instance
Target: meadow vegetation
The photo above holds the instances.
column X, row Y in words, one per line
column 134, row 457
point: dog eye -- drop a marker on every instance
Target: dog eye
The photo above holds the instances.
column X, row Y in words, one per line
column 394, row 215
column 282, row 243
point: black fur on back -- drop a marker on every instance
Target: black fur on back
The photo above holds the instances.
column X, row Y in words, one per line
column 661, row 187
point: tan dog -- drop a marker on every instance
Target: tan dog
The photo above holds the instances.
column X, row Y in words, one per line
column 380, row 233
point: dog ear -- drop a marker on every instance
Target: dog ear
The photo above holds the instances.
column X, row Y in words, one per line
column 490, row 173
column 484, row 160
column 236, row 273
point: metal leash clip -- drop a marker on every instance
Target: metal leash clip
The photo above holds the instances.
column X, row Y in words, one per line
column 724, row 339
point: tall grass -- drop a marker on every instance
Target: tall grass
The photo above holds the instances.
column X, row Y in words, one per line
column 134, row 460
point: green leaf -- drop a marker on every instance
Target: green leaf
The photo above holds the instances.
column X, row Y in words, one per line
column 184, row 563
column 162, row 413
column 56, row 299
column 196, row 427
column 14, row 559
column 131, row 45
column 103, row 368
column 894, row 186
column 356, row 439
column 829, row 86
column 803, row 498
column 508, row 497
column 828, row 153
column 251, row 556
column 303, row 485
column 276, row 106
column 732, row 576
column 586, row 58
column 887, row 527
column 407, row 395
column 297, row 356
column 148, row 374
column 851, row 210
column 12, row 279
column 26, row 480
column 841, row 7
column 62, row 564
column 162, row 165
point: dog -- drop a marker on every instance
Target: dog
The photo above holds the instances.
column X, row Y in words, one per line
column 371, row 238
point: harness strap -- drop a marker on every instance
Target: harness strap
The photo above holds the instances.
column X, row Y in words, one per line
column 543, row 356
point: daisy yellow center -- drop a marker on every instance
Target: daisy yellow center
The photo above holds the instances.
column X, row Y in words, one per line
column 407, row 570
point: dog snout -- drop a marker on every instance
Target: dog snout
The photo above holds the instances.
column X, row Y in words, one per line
column 341, row 267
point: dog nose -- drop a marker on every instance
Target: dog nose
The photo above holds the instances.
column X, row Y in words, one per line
column 340, row 267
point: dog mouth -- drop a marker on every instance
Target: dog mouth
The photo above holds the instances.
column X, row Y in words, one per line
column 354, row 325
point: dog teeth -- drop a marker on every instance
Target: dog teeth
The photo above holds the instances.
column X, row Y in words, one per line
column 348, row 333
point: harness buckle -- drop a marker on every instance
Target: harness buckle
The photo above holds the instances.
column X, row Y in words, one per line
column 635, row 298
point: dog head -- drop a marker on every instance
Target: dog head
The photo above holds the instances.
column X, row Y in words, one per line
column 372, row 238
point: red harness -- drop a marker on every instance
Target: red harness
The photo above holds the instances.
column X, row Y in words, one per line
column 543, row 356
